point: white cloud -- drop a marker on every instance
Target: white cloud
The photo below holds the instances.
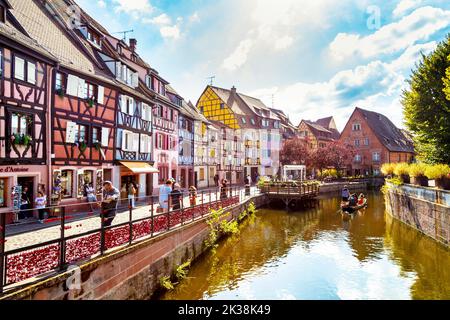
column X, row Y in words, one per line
column 101, row 4
column 394, row 37
column 284, row 43
column 170, row 32
column 161, row 20
column 194, row 17
column 404, row 6
column 136, row 8
column 274, row 26
column 239, row 56
column 376, row 86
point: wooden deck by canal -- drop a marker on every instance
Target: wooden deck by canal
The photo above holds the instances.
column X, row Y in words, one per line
column 291, row 194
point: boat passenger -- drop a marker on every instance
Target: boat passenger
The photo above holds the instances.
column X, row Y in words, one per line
column 353, row 200
column 361, row 199
column 345, row 194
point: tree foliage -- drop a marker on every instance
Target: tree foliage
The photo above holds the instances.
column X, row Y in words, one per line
column 295, row 152
column 426, row 105
column 339, row 154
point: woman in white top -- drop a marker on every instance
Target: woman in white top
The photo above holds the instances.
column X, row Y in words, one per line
column 41, row 203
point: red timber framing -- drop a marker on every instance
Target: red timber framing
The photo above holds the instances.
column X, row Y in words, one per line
column 23, row 107
column 95, row 117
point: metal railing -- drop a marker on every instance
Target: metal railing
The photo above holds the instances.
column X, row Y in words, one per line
column 135, row 221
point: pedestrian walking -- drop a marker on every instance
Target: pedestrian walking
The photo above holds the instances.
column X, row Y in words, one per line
column 223, row 190
column 41, row 203
column 91, row 198
column 111, row 196
column 193, row 196
column 164, row 192
column 132, row 192
column 216, row 180
column 25, row 205
column 176, row 197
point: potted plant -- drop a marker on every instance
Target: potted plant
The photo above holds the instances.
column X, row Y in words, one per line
column 97, row 145
column 91, row 102
column 401, row 170
column 83, row 146
column 21, row 139
column 417, row 174
column 388, row 169
column 60, row 92
column 440, row 173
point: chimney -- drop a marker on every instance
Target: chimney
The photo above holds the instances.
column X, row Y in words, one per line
column 233, row 90
column 133, row 44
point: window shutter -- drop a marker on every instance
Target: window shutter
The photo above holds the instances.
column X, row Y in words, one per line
column 71, row 132
column 135, row 80
column 124, row 139
column 123, row 103
column 72, row 85
column 19, row 68
column 124, row 73
column 132, row 106
column 81, row 83
column 118, row 70
column 136, row 142
column 101, row 95
column 31, row 73
column 105, row 137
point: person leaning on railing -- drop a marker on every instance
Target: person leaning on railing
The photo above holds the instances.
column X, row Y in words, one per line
column 110, row 202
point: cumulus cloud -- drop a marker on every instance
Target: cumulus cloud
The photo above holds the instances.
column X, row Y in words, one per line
column 136, row 8
column 274, row 26
column 170, row 32
column 194, row 17
column 167, row 29
column 239, row 56
column 394, row 37
column 161, row 20
column 101, row 4
column 376, row 86
column 404, row 6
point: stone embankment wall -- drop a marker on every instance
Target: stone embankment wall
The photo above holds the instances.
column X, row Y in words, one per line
column 132, row 272
column 425, row 209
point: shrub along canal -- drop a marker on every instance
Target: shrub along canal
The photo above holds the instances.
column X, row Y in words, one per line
column 319, row 254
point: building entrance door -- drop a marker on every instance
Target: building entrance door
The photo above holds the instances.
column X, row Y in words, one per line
column 27, row 197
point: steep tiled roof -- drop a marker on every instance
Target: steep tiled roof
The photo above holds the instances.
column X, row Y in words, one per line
column 11, row 32
column 389, row 135
column 42, row 29
column 245, row 107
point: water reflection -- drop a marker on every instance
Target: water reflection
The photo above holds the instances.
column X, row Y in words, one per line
column 319, row 254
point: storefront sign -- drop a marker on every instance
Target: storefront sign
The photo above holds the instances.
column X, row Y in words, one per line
column 14, row 169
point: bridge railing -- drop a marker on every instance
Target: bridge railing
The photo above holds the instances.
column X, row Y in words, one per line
column 82, row 237
column 283, row 189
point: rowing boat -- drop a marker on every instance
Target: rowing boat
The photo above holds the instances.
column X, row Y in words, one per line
column 353, row 209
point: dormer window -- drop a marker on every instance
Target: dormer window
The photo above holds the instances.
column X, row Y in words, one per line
column 91, row 35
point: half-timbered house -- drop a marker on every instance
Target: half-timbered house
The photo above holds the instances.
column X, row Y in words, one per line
column 132, row 158
column 83, row 100
column 25, row 72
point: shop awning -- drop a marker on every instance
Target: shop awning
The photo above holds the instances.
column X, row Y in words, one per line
column 140, row 167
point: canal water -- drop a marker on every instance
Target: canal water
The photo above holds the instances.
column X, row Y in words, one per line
column 319, row 254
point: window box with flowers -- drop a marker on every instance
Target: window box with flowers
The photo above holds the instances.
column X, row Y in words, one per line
column 21, row 139
column 61, row 92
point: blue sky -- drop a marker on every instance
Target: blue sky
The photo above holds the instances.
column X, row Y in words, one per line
column 311, row 59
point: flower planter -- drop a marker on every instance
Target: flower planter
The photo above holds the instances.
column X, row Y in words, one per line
column 443, row 183
column 420, row 181
column 405, row 178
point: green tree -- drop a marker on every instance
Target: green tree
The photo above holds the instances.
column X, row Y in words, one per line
column 426, row 107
